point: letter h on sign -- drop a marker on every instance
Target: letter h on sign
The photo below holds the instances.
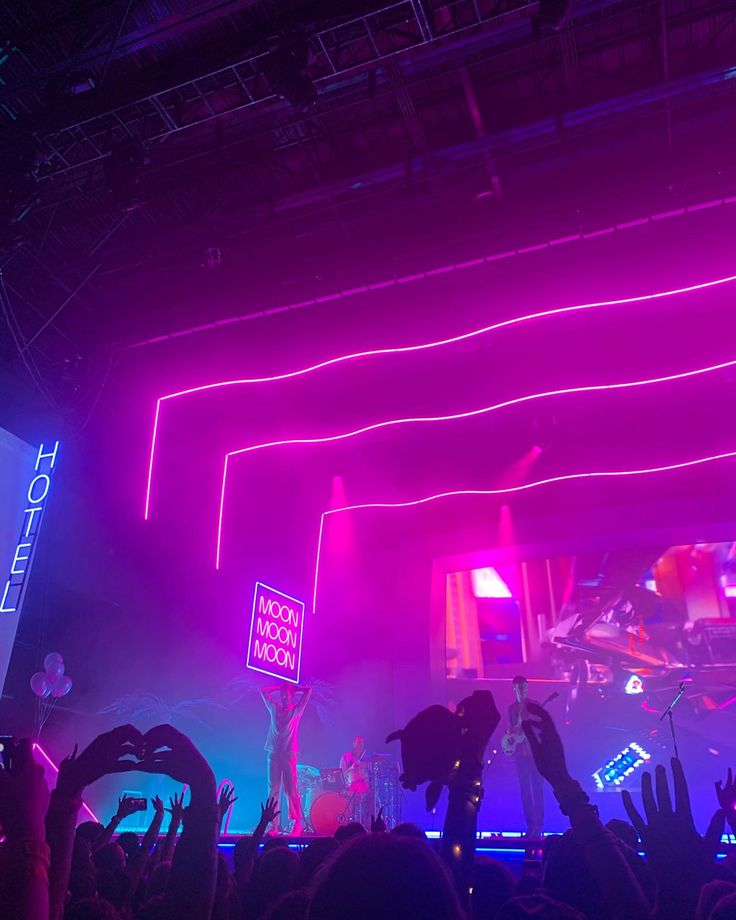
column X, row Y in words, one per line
column 276, row 631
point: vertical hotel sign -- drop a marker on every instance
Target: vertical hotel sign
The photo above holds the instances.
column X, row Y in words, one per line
column 276, row 631
column 16, row 577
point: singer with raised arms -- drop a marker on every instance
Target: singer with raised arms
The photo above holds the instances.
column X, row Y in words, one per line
column 285, row 704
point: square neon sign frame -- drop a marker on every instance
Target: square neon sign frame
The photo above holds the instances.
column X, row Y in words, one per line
column 276, row 634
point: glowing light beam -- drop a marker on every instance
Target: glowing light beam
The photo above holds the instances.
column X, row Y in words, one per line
column 37, row 747
column 494, row 327
column 457, row 416
column 525, row 487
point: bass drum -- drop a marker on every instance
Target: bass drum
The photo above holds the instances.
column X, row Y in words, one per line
column 328, row 812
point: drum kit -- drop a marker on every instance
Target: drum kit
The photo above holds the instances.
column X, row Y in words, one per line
column 328, row 805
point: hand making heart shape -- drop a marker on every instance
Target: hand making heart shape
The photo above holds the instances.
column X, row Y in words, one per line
column 168, row 751
column 162, row 749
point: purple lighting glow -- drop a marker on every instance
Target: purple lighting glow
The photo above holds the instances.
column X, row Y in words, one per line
column 513, row 321
column 483, row 410
column 568, row 477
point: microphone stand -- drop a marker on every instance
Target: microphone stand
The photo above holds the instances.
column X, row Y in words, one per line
column 668, row 713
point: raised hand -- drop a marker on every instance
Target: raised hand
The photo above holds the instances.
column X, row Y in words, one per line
column 24, row 796
column 546, row 746
column 269, row 812
column 176, row 808
column 126, row 807
column 226, row 801
column 170, row 752
column 108, row 753
column 680, row 858
column 726, row 796
column 378, row 825
column 158, row 805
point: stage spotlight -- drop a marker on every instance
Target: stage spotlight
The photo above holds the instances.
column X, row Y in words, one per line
column 634, row 685
column 285, row 69
column 620, row 768
column 552, row 14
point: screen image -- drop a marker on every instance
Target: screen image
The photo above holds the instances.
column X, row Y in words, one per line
column 651, row 610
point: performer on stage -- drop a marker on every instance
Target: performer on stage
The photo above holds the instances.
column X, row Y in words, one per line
column 354, row 769
column 285, row 705
column 531, row 783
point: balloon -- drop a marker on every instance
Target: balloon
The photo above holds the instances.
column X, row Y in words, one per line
column 54, row 671
column 50, row 659
column 40, row 684
column 62, row 686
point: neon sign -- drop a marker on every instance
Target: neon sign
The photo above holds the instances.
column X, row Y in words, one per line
column 458, row 416
column 510, row 490
column 36, row 496
column 403, row 349
column 276, row 632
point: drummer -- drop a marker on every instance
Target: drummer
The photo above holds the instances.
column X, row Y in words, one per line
column 354, row 769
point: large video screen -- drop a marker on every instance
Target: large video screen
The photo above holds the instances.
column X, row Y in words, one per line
column 650, row 609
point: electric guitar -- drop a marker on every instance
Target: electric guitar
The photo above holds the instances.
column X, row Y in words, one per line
column 515, row 736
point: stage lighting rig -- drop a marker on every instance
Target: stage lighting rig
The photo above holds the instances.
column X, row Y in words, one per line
column 285, row 68
column 620, row 767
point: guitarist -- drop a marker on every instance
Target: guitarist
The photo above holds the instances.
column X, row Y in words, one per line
column 530, row 781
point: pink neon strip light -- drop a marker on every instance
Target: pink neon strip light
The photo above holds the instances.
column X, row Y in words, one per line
column 49, row 761
column 568, row 477
column 484, row 410
column 514, row 321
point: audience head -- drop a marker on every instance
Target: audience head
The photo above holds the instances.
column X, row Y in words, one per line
column 276, row 873
column 110, row 857
column 128, row 842
column 275, row 843
column 89, row 831
column 567, row 878
column 348, row 831
column 314, row 856
column 407, row 829
column 386, row 876
column 493, row 885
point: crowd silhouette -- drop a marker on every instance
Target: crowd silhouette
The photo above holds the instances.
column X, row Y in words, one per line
column 655, row 865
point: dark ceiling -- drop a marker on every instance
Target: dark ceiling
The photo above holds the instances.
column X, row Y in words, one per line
column 143, row 139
